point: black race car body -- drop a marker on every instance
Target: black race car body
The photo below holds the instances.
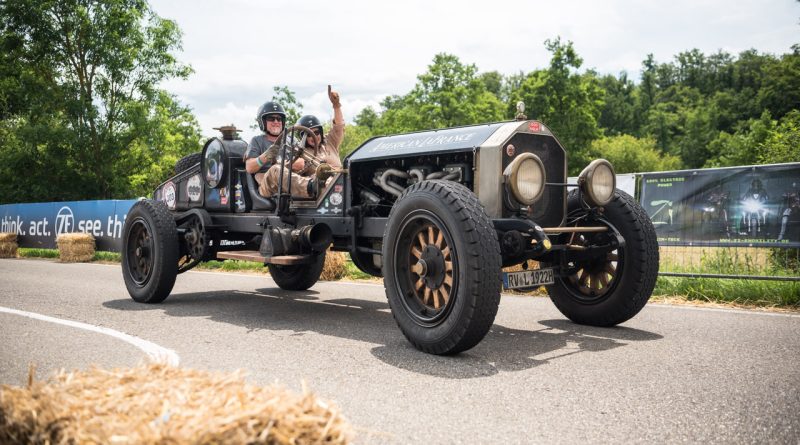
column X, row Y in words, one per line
column 437, row 213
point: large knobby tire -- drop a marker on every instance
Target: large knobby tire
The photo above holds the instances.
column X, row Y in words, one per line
column 149, row 251
column 615, row 288
column 187, row 161
column 298, row 277
column 441, row 267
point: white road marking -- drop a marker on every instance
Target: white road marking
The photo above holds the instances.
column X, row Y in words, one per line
column 155, row 352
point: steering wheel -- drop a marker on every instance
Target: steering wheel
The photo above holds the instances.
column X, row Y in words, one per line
column 298, row 151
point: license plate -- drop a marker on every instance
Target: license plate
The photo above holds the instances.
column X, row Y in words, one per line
column 527, row 278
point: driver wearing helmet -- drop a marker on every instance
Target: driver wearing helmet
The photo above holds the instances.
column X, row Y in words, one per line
column 323, row 147
column 260, row 157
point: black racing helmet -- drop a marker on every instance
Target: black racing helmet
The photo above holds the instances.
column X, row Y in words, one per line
column 311, row 122
column 269, row 108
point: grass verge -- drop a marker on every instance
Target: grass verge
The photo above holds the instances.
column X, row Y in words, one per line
column 738, row 292
column 233, row 266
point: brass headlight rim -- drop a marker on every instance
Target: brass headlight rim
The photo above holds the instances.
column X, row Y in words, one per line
column 586, row 178
column 512, row 172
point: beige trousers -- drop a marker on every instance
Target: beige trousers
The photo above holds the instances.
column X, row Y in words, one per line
column 268, row 184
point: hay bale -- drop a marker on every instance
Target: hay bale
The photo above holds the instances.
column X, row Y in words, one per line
column 75, row 247
column 518, row 267
column 158, row 403
column 8, row 245
column 335, row 267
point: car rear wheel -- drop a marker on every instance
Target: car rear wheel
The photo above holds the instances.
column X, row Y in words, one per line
column 149, row 251
column 441, row 263
column 300, row 276
column 613, row 287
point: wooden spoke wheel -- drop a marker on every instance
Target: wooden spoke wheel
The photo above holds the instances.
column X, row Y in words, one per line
column 427, row 264
column 441, row 267
column 432, row 264
column 598, row 276
column 608, row 287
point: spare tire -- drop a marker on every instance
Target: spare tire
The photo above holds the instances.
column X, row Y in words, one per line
column 187, row 161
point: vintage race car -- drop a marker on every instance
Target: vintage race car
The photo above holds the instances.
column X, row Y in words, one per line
column 437, row 213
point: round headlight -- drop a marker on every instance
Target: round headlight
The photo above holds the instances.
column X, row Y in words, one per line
column 598, row 182
column 213, row 165
column 525, row 177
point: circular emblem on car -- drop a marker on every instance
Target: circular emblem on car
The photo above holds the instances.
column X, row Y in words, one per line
column 193, row 188
column 336, row 198
column 535, row 126
column 510, row 150
column 169, row 195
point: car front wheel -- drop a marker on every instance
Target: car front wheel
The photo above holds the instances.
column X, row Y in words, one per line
column 441, row 267
column 610, row 288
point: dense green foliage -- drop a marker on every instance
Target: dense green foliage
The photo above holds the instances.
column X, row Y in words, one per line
column 629, row 154
column 82, row 113
column 697, row 111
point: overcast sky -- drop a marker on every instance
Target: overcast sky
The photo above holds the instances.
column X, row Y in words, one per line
column 241, row 49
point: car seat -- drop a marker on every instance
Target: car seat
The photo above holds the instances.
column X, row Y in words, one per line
column 258, row 202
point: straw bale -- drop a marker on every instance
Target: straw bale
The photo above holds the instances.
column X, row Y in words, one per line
column 8, row 245
column 75, row 247
column 335, row 267
column 158, row 403
column 518, row 267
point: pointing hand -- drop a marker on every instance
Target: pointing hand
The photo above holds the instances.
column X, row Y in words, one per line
column 334, row 97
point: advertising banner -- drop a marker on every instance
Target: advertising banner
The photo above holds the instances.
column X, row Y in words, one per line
column 38, row 225
column 753, row 206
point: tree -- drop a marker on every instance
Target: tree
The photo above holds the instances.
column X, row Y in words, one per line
column 448, row 94
column 782, row 144
column 568, row 102
column 368, row 118
column 618, row 115
column 631, row 155
column 286, row 97
column 780, row 90
column 354, row 136
column 493, row 82
column 89, row 72
column 743, row 146
column 170, row 132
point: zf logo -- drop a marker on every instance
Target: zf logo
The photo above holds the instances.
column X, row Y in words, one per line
column 65, row 221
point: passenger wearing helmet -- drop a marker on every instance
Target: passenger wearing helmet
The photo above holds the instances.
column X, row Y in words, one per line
column 323, row 147
column 259, row 158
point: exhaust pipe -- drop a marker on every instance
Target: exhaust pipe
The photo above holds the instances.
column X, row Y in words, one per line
column 286, row 241
column 317, row 237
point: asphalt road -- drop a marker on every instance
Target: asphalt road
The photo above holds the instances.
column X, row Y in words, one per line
column 672, row 374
